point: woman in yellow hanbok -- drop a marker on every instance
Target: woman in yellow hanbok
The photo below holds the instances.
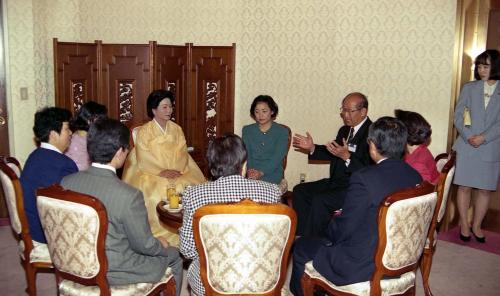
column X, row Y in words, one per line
column 160, row 159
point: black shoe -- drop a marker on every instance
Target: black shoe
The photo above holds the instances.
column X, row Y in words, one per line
column 481, row 240
column 464, row 238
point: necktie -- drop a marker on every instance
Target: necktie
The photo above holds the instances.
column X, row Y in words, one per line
column 351, row 135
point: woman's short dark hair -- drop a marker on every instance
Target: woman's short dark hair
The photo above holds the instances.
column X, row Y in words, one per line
column 49, row 119
column 419, row 130
column 226, row 155
column 264, row 99
column 156, row 97
column 389, row 135
column 494, row 61
column 106, row 136
column 88, row 113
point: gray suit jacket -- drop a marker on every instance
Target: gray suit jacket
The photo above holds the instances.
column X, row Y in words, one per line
column 484, row 121
column 134, row 255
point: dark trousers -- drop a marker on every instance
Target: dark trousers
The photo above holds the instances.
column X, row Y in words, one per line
column 314, row 203
column 304, row 251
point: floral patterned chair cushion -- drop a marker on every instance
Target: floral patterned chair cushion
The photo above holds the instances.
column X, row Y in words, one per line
column 392, row 286
column 67, row 288
column 71, row 235
column 10, row 198
column 446, row 192
column 244, row 251
column 39, row 253
column 407, row 224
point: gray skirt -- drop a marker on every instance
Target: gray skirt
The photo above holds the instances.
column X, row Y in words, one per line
column 476, row 173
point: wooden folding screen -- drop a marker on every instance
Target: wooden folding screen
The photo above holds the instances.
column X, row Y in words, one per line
column 76, row 73
column 121, row 76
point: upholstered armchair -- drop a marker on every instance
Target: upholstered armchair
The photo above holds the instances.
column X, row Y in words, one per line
column 283, row 185
column 446, row 166
column 403, row 223
column 134, row 129
column 244, row 247
column 34, row 255
column 75, row 226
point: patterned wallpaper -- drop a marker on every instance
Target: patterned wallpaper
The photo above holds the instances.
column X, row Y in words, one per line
column 306, row 54
column 19, row 43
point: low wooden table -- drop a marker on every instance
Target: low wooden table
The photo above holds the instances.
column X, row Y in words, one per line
column 173, row 220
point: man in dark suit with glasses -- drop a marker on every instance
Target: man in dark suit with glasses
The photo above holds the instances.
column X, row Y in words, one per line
column 315, row 202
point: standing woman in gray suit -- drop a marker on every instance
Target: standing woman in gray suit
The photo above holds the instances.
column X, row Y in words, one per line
column 477, row 119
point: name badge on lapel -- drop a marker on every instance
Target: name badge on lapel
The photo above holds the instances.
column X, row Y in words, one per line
column 351, row 147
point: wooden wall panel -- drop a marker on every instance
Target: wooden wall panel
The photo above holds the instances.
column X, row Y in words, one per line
column 76, row 74
column 171, row 68
column 493, row 39
column 127, row 80
column 211, row 112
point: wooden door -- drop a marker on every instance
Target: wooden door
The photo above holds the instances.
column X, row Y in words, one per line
column 127, row 80
column 4, row 116
column 171, row 68
column 76, row 74
column 493, row 37
column 210, row 108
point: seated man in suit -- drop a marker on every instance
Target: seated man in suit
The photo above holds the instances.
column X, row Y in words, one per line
column 345, row 255
column 134, row 255
column 227, row 161
column 47, row 164
column 315, row 202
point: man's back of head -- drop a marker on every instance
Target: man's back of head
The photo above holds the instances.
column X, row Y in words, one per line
column 387, row 138
column 106, row 137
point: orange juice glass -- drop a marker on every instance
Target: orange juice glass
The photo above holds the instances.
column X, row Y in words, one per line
column 170, row 191
column 174, row 201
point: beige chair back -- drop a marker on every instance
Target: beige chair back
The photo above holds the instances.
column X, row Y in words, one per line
column 404, row 221
column 445, row 164
column 283, row 185
column 447, row 171
column 10, row 171
column 288, row 147
column 243, row 247
column 34, row 255
column 407, row 225
column 75, row 226
column 135, row 130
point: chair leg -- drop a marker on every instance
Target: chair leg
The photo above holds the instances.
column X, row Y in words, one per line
column 30, row 278
column 170, row 288
column 307, row 285
column 425, row 270
column 412, row 291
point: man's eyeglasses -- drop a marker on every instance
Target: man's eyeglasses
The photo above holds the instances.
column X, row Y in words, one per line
column 345, row 110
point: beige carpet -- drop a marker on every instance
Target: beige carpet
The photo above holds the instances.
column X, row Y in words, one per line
column 457, row 270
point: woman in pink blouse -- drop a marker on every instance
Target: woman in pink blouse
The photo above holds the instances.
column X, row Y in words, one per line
column 77, row 150
column 417, row 154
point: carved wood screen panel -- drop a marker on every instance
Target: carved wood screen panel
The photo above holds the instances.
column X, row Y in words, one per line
column 76, row 73
column 212, row 86
column 171, row 62
column 127, row 76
